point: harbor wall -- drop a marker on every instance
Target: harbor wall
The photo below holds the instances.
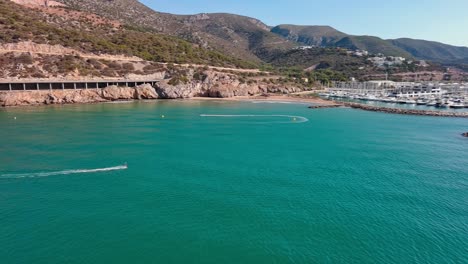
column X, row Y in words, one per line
column 405, row 111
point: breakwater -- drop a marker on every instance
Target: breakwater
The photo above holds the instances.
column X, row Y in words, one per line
column 405, row 111
column 325, row 106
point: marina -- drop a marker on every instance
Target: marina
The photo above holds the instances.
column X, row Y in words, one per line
column 406, row 95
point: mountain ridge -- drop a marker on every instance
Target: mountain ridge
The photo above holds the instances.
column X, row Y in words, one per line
column 405, row 47
column 246, row 42
column 250, row 39
column 234, row 34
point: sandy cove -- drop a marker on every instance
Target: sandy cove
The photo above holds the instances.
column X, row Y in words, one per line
column 274, row 97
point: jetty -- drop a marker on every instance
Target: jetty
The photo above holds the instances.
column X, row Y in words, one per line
column 34, row 85
column 321, row 106
column 401, row 111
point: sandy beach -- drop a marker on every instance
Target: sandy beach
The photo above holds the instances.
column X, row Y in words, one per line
column 278, row 98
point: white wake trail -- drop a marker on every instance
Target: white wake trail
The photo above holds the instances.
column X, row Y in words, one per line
column 64, row 172
column 294, row 119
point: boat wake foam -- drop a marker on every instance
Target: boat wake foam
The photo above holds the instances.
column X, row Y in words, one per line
column 64, row 172
column 294, row 119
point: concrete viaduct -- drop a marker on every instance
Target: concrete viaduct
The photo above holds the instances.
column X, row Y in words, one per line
column 69, row 85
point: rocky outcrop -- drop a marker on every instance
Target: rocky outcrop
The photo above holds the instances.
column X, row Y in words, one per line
column 220, row 85
column 465, row 134
column 200, row 84
column 167, row 91
column 145, row 91
column 112, row 93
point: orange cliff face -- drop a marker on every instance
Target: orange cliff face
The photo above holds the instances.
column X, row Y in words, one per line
column 43, row 3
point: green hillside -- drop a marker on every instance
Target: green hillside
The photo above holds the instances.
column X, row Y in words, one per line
column 372, row 44
column 18, row 24
column 325, row 36
column 430, row 50
column 310, row 35
column 234, row 35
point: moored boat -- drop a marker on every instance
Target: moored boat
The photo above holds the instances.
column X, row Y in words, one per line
column 421, row 102
column 458, row 104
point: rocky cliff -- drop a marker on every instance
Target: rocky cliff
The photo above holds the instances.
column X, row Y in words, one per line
column 220, row 85
column 195, row 84
column 112, row 93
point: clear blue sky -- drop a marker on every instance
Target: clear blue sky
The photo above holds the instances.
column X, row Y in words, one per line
column 439, row 20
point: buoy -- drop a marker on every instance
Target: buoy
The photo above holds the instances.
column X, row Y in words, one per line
column 162, row 116
column 294, row 119
column 15, row 117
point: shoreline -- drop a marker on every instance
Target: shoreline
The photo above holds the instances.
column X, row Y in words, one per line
column 274, row 98
column 144, row 92
column 111, row 94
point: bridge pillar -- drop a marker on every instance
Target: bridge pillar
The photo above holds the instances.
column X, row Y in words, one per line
column 9, row 86
column 24, row 86
column 63, row 86
column 74, row 85
column 37, row 86
column 50, row 86
column 86, row 86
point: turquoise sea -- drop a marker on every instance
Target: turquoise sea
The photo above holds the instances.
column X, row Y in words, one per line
column 347, row 186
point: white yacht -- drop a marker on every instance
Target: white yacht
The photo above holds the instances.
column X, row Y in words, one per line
column 421, row 102
column 458, row 104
